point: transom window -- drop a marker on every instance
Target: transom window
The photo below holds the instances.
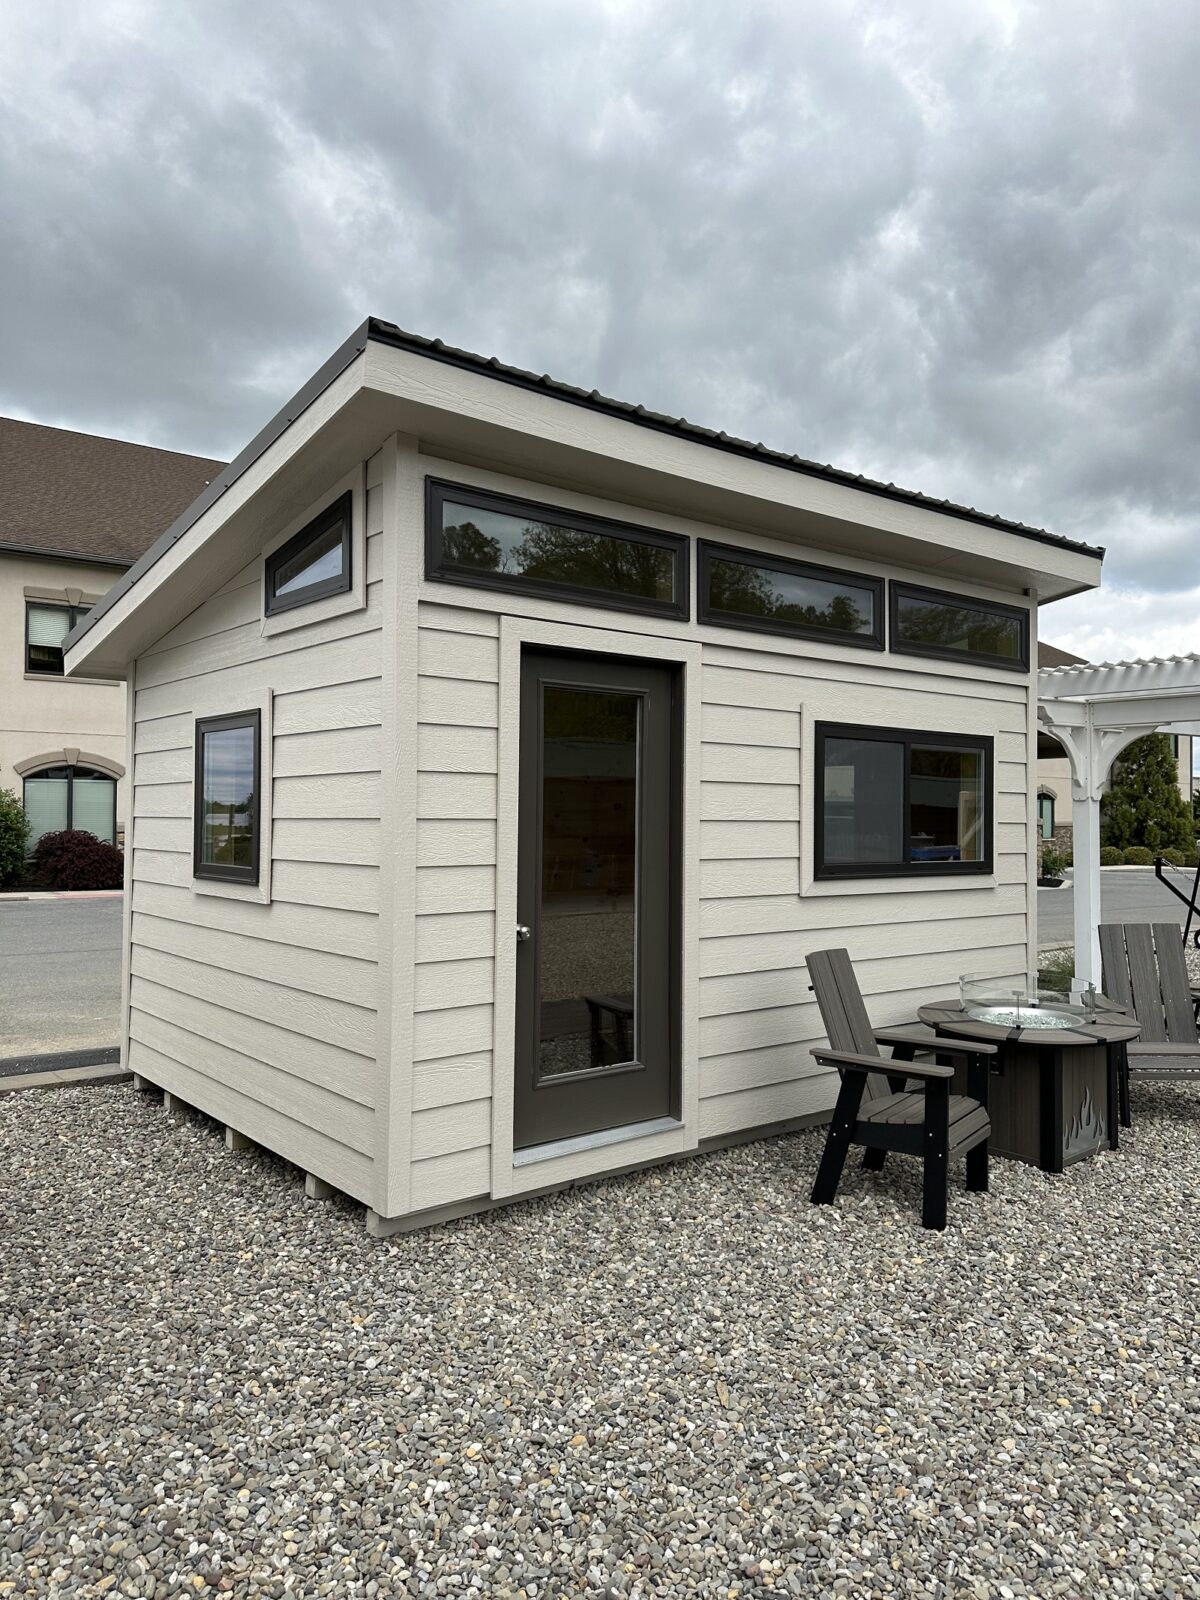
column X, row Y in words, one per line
column 46, row 626
column 71, row 797
column 227, row 802
column 313, row 563
column 896, row 802
column 493, row 541
column 745, row 589
column 953, row 627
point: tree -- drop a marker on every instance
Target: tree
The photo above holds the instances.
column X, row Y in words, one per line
column 14, row 838
column 1143, row 805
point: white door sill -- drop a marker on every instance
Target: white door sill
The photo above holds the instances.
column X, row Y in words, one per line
column 594, row 1141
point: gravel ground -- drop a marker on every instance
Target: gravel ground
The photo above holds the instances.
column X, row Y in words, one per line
column 686, row 1382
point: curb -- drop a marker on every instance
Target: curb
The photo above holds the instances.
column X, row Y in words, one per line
column 102, row 1055
column 62, row 894
column 18, row 1082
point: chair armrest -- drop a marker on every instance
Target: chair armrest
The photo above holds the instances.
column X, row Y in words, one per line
column 887, row 1069
column 924, row 1039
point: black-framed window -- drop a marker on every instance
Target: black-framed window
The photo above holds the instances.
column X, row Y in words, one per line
column 313, row 563
column 746, row 589
column 953, row 627
column 1045, row 814
column 228, row 802
column 493, row 541
column 896, row 802
column 70, row 797
column 46, row 626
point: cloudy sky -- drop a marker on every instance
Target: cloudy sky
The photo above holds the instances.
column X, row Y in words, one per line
column 950, row 243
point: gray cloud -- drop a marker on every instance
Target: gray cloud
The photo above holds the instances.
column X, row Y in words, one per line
column 953, row 246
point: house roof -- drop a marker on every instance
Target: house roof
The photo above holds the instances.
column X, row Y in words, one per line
column 1049, row 655
column 389, row 333
column 386, row 335
column 69, row 494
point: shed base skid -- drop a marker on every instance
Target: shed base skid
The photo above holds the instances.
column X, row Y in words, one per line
column 384, row 1227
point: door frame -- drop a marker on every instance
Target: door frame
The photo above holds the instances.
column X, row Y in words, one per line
column 611, row 1149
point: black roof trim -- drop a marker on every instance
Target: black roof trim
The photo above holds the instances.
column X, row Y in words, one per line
column 489, row 366
column 593, row 400
column 261, row 442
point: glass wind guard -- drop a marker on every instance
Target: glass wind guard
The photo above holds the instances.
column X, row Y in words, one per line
column 587, row 933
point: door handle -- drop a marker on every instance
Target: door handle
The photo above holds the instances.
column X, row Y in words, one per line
column 523, row 933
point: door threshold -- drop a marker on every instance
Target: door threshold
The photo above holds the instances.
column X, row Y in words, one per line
column 594, row 1141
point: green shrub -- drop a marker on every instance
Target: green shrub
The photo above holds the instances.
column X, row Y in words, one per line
column 1052, row 863
column 1138, row 856
column 75, row 859
column 14, row 838
column 1143, row 806
column 1175, row 858
column 1109, row 857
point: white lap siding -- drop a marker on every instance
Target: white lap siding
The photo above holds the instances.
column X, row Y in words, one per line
column 458, row 661
column 759, row 917
column 264, row 1016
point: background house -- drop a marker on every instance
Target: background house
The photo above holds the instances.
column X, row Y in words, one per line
column 75, row 511
column 1054, row 770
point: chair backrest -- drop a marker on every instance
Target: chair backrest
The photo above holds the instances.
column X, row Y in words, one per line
column 1144, row 969
column 840, row 1001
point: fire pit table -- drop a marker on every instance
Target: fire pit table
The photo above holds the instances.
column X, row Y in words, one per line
column 1053, row 1090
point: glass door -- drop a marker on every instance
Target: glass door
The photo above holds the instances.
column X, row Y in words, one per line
column 597, row 933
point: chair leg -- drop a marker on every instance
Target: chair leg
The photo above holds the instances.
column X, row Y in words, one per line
column 1126, row 1109
column 977, row 1168
column 837, row 1140
column 937, row 1153
column 873, row 1160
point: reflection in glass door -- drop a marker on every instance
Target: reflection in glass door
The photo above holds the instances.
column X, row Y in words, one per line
column 595, row 972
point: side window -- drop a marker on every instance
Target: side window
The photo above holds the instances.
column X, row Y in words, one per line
column 1045, row 806
column 228, row 802
column 314, row 563
column 894, row 802
column 46, row 626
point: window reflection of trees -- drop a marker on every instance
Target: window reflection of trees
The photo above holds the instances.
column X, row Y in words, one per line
column 755, row 592
column 555, row 554
column 946, row 627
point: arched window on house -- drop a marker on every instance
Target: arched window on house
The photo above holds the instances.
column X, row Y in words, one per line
column 71, row 797
column 1045, row 812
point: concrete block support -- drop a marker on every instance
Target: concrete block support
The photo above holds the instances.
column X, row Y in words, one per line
column 237, row 1141
column 317, row 1189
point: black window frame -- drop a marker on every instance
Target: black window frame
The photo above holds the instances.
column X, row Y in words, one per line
column 1044, row 794
column 908, row 737
column 898, row 591
column 710, row 549
column 439, row 490
column 72, row 770
column 339, row 510
column 215, row 871
column 74, row 615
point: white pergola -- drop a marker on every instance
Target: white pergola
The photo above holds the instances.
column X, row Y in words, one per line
column 1095, row 712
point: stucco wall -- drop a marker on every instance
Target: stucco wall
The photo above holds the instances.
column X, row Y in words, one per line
column 42, row 716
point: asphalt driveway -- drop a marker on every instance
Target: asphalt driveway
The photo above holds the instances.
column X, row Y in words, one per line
column 60, row 975
column 1127, row 894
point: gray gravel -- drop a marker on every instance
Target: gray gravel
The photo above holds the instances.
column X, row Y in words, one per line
column 686, row 1382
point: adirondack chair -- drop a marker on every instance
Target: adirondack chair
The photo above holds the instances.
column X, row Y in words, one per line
column 877, row 1108
column 1144, row 971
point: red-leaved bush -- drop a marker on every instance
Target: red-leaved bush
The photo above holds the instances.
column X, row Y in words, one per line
column 74, row 859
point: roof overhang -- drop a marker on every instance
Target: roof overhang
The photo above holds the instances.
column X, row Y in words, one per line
column 375, row 386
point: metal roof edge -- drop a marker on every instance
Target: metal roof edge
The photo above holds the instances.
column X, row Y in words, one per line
column 261, row 442
column 489, row 366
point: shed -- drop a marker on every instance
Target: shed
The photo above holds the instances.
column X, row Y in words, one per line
column 500, row 751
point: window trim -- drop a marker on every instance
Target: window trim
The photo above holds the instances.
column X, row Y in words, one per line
column 708, row 549
column 207, row 870
column 908, row 737
column 50, row 605
column 339, row 510
column 439, row 490
column 898, row 591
